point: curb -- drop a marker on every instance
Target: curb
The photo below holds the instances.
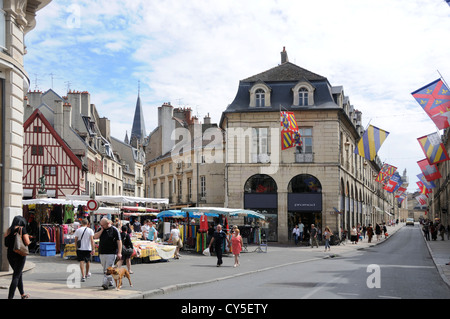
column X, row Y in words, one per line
column 438, row 267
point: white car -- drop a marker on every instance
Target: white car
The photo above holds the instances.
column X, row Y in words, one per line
column 409, row 221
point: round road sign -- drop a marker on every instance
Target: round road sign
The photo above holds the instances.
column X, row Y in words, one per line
column 92, row 204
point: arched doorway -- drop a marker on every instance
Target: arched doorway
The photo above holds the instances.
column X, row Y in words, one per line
column 260, row 195
column 304, row 204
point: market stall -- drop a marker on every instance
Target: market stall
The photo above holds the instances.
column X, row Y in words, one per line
column 50, row 220
column 250, row 233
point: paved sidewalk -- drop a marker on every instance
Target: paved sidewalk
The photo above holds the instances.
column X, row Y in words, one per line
column 50, row 277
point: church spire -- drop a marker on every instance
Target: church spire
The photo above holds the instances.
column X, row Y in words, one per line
column 138, row 130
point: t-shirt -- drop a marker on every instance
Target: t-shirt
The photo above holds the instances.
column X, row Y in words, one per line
column 86, row 238
column 108, row 241
column 300, row 228
column 151, row 233
column 137, row 226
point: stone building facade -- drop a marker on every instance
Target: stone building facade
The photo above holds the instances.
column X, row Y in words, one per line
column 17, row 18
column 322, row 182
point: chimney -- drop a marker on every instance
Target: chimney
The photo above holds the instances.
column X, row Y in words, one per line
column 105, row 128
column 207, row 119
column 74, row 100
column 59, row 117
column 284, row 56
column 86, row 104
column 67, row 117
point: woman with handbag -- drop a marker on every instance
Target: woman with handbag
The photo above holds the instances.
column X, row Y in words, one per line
column 16, row 236
column 127, row 249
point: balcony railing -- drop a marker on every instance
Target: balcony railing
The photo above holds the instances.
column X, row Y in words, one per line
column 304, row 157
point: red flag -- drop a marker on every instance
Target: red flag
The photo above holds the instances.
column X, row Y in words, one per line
column 430, row 171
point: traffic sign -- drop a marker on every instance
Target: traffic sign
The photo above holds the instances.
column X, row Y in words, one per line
column 92, row 205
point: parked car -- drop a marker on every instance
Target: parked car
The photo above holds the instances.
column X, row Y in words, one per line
column 410, row 221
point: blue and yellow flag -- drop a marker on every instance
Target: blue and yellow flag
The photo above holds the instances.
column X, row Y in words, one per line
column 370, row 143
column 433, row 148
column 287, row 140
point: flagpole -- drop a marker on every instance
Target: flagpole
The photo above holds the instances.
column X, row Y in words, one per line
column 442, row 78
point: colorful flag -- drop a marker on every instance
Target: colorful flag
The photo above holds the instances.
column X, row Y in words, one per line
column 370, row 142
column 428, row 184
column 430, row 171
column 434, row 98
column 401, row 198
column 385, row 173
column 422, row 199
column 287, row 141
column 288, row 122
column 394, row 183
column 289, row 130
column 433, row 148
column 423, row 189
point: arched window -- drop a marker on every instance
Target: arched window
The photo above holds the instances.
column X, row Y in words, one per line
column 260, row 183
column 260, row 97
column 304, row 183
column 303, row 94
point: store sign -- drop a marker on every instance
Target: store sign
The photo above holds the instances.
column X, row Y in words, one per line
column 260, row 201
column 305, row 202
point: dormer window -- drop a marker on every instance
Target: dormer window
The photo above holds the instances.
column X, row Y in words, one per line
column 303, row 94
column 303, row 97
column 260, row 95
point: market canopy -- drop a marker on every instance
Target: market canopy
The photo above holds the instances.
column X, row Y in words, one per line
column 118, row 199
column 138, row 211
column 53, row 201
column 224, row 211
column 181, row 214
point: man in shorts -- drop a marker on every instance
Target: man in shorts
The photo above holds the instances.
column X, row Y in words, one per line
column 85, row 235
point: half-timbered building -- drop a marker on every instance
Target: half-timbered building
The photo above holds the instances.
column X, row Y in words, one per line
column 45, row 154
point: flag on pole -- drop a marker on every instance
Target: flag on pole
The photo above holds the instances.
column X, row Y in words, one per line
column 434, row 98
column 423, row 189
column 385, row 173
column 394, row 183
column 288, row 122
column 433, row 148
column 370, row 142
column 290, row 135
column 401, row 198
column 287, row 140
column 430, row 171
column 422, row 199
column 428, row 184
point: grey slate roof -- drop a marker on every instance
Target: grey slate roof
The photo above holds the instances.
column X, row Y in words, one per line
column 281, row 79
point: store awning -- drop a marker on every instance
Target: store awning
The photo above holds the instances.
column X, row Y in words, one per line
column 224, row 211
column 118, row 199
column 53, row 201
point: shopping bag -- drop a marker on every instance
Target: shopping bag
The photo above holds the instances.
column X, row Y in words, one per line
column 19, row 246
column 206, row 252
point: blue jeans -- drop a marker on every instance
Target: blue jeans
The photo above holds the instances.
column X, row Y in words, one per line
column 327, row 244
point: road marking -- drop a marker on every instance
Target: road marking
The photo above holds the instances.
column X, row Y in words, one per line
column 319, row 287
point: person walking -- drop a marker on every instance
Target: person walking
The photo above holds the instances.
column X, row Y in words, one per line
column 369, row 233
column 176, row 240
column 127, row 249
column 353, row 234
column 426, row 230
column 314, row 236
column 364, row 231
column 16, row 261
column 218, row 240
column 85, row 235
column 296, row 234
column 301, row 229
column 236, row 246
column 110, row 248
column 327, row 234
column 378, row 231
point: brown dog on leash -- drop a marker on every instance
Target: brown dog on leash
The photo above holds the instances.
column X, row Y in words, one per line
column 118, row 273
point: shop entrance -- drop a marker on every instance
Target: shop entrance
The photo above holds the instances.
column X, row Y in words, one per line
column 307, row 218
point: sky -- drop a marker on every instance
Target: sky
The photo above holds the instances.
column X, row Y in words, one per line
column 194, row 53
